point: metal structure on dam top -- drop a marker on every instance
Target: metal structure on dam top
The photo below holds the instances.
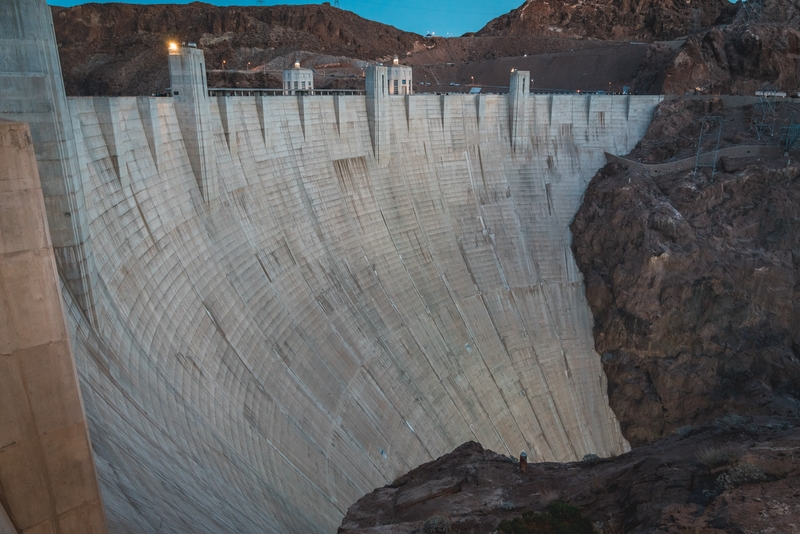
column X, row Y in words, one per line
column 266, row 307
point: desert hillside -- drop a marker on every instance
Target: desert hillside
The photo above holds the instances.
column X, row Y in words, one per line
column 119, row 49
column 610, row 20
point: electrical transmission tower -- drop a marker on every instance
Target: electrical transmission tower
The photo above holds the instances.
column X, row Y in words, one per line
column 259, row 2
column 751, row 11
column 336, row 3
column 764, row 115
column 791, row 137
column 697, row 20
column 711, row 128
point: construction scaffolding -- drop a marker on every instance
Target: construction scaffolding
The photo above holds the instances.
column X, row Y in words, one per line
column 710, row 130
column 764, row 116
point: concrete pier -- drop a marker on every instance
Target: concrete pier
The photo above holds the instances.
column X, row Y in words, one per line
column 187, row 73
column 518, row 93
column 377, row 95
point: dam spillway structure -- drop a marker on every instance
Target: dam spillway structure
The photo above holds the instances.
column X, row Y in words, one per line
column 282, row 302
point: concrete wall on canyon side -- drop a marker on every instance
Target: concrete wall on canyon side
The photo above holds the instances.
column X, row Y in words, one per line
column 48, row 480
column 329, row 320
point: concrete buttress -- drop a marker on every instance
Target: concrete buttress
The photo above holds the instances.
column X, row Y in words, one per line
column 518, row 94
column 377, row 95
column 187, row 73
column 32, row 91
column 48, row 480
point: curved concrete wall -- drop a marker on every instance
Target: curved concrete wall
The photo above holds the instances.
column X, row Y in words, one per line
column 330, row 321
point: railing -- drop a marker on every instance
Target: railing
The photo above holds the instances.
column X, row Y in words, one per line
column 341, row 92
column 233, row 91
column 227, row 91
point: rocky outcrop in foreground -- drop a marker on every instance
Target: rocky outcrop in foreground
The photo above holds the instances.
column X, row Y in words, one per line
column 693, row 280
column 736, row 475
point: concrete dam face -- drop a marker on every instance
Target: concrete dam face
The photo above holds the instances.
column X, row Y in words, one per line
column 293, row 300
column 332, row 321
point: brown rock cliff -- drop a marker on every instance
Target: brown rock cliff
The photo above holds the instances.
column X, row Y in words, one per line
column 693, row 280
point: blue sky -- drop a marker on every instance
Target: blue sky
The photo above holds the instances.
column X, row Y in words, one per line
column 444, row 17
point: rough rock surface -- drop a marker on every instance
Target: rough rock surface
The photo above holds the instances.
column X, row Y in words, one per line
column 742, row 58
column 693, row 281
column 662, row 487
column 641, row 20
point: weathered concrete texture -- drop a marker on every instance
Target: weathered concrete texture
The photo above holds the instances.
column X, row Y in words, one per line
column 261, row 362
column 6, row 526
column 190, row 96
column 32, row 91
column 47, row 474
